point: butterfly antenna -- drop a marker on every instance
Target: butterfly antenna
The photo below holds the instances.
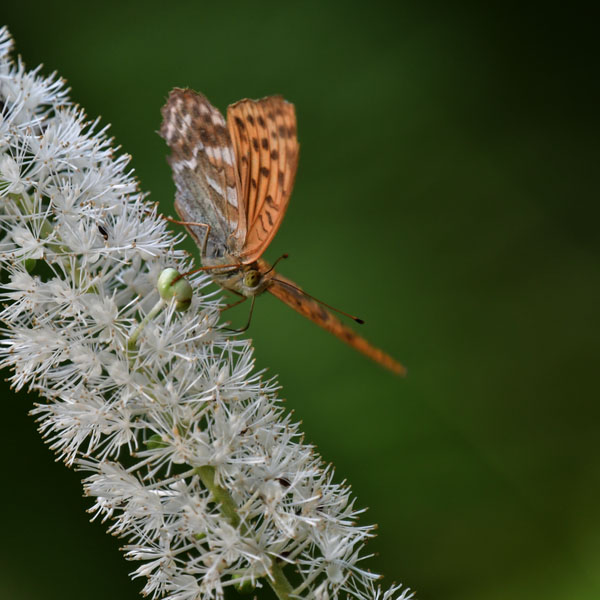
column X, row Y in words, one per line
column 275, row 263
column 337, row 310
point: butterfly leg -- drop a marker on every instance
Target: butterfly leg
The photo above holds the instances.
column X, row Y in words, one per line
column 228, row 306
column 202, row 249
column 177, row 221
column 187, row 224
column 249, row 317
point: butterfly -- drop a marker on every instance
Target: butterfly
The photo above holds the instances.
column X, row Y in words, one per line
column 233, row 183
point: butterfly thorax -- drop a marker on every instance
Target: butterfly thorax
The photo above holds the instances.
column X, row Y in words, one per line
column 248, row 280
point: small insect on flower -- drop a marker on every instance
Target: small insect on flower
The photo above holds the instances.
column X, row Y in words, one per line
column 103, row 232
column 233, row 183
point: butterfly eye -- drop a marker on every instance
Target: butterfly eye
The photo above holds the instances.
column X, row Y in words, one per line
column 252, row 278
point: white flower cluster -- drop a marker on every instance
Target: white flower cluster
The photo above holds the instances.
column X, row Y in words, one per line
column 188, row 455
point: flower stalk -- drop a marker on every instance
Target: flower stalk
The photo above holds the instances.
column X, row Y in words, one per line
column 219, row 494
column 277, row 579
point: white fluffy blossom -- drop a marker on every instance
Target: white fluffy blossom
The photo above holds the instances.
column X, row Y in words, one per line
column 187, row 453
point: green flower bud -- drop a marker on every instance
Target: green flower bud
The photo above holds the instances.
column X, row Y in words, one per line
column 171, row 285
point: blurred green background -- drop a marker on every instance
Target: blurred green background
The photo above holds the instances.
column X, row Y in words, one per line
column 446, row 193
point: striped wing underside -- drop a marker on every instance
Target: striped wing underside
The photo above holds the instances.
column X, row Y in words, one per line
column 205, row 173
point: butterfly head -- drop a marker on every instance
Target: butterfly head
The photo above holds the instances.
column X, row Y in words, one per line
column 252, row 279
column 248, row 280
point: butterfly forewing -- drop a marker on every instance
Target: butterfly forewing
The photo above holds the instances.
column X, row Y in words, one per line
column 266, row 147
column 205, row 172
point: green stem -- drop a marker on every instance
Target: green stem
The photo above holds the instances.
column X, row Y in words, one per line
column 278, row 581
column 134, row 336
column 220, row 495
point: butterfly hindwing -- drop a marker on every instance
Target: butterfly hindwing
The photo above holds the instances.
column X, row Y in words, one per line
column 293, row 296
column 204, row 171
column 266, row 147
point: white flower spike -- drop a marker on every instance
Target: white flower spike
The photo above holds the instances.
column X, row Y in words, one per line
column 219, row 491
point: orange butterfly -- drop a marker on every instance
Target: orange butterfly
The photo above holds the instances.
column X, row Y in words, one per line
column 234, row 180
